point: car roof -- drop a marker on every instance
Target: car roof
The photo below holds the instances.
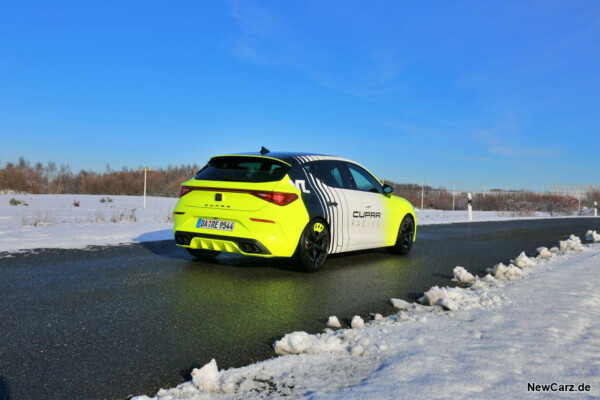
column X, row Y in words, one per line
column 283, row 155
column 289, row 157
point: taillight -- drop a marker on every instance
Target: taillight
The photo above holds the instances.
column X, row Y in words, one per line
column 184, row 190
column 281, row 199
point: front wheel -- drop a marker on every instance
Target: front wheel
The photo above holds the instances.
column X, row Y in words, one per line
column 406, row 234
column 311, row 252
column 203, row 255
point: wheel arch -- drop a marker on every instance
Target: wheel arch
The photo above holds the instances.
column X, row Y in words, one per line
column 403, row 207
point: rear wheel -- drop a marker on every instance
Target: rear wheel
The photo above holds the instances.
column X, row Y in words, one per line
column 405, row 238
column 312, row 248
column 203, row 255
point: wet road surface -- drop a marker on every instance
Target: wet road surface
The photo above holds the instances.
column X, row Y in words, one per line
column 127, row 320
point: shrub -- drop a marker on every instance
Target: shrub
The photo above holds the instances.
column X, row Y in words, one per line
column 15, row 202
column 75, row 203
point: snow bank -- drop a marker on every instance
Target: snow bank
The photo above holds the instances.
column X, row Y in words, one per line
column 522, row 261
column 294, row 343
column 573, row 243
column 544, row 253
column 435, row 350
column 592, row 236
column 401, row 304
column 357, row 322
column 302, row 342
column 333, row 322
column 207, row 377
column 462, row 275
column 502, row 271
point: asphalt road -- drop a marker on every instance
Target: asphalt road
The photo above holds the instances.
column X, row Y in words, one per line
column 126, row 320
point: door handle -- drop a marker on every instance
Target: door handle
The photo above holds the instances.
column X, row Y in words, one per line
column 332, row 204
column 368, row 205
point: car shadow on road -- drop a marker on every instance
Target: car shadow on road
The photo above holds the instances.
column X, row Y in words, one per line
column 168, row 249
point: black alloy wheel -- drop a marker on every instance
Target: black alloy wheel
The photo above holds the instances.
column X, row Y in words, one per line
column 312, row 248
column 405, row 239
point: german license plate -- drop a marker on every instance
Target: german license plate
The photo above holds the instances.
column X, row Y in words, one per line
column 215, row 224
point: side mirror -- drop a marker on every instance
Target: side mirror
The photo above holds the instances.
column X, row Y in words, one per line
column 388, row 190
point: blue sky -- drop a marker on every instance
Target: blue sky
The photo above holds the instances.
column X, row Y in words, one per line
column 483, row 91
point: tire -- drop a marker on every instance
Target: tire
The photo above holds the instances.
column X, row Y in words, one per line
column 203, row 255
column 311, row 252
column 406, row 234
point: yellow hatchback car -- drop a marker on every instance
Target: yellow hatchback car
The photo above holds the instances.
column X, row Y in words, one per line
column 298, row 205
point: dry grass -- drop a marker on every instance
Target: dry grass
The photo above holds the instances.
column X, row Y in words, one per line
column 98, row 217
column 123, row 216
column 38, row 219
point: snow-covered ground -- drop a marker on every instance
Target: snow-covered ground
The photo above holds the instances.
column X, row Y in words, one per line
column 53, row 221
column 533, row 322
column 428, row 217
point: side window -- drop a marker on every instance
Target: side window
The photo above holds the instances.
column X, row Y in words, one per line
column 331, row 173
column 363, row 180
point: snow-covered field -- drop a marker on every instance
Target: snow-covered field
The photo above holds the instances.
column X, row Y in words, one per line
column 533, row 322
column 428, row 217
column 53, row 221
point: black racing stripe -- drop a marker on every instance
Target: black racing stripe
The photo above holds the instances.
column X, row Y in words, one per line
column 341, row 211
column 331, row 211
column 316, row 191
column 341, row 219
column 314, row 208
column 335, row 221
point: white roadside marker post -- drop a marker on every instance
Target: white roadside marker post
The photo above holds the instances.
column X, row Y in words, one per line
column 145, row 169
column 470, row 205
column 422, row 193
column 595, row 209
column 453, row 194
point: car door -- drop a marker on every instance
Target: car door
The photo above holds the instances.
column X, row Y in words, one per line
column 367, row 209
column 330, row 183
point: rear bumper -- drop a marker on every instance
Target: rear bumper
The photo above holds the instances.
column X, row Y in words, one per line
column 229, row 244
column 263, row 239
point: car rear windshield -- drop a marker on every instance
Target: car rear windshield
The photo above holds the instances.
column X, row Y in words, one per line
column 243, row 169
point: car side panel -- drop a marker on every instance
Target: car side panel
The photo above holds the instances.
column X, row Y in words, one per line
column 325, row 202
column 340, row 218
